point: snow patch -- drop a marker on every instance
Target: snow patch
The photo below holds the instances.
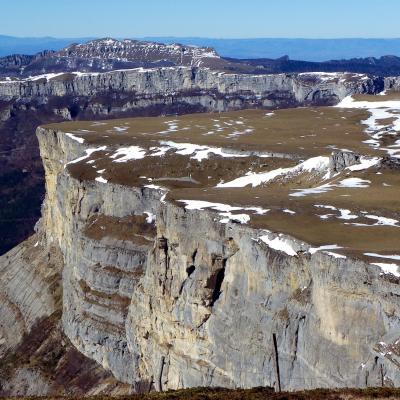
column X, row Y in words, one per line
column 88, row 152
column 120, row 128
column 226, row 210
column 392, row 257
column 317, row 164
column 197, row 152
column 150, row 217
column 313, row 250
column 287, row 211
column 279, row 243
column 76, row 138
column 379, row 110
column 365, row 163
column 345, row 183
column 336, row 255
column 388, row 268
column 101, row 179
column 383, row 220
column 128, row 153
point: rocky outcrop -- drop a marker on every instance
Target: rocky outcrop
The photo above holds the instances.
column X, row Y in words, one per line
column 392, row 83
column 391, row 162
column 339, row 160
column 193, row 302
column 30, row 289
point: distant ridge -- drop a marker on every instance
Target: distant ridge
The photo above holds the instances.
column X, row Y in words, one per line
column 30, row 45
column 296, row 49
column 107, row 54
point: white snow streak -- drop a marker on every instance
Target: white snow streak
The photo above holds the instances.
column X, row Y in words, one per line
column 318, row 164
column 128, row 153
column 76, row 138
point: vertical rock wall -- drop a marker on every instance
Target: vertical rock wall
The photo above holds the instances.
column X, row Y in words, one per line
column 195, row 302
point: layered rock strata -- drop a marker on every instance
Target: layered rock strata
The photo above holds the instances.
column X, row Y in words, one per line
column 212, row 90
column 190, row 301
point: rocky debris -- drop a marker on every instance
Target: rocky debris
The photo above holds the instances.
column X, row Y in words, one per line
column 30, row 280
column 339, row 160
column 45, row 363
column 36, row 358
column 390, row 162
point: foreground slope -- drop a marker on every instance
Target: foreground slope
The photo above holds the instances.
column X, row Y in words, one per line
column 188, row 241
column 254, row 394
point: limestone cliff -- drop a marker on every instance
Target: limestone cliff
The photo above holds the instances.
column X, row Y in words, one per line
column 201, row 87
column 187, row 301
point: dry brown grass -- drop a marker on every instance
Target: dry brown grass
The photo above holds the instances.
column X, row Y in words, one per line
column 251, row 394
column 390, row 95
column 300, row 133
column 133, row 228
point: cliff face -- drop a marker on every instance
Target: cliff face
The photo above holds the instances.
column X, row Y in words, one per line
column 37, row 358
column 210, row 89
column 212, row 297
column 187, row 301
column 392, row 83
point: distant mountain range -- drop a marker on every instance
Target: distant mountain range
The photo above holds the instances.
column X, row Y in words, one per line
column 16, row 45
column 101, row 55
column 298, row 49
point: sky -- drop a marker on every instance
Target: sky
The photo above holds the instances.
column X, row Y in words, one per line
column 201, row 18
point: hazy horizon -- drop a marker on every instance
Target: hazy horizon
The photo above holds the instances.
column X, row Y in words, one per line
column 199, row 37
column 296, row 48
column 309, row 19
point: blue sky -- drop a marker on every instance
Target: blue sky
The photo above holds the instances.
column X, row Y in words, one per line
column 202, row 18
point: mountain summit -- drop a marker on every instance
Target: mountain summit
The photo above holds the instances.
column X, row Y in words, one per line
column 108, row 54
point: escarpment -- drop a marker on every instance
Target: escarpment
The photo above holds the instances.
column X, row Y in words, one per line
column 186, row 243
column 210, row 89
